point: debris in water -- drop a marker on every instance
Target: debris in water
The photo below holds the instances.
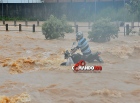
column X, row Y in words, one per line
column 107, row 92
column 22, row 98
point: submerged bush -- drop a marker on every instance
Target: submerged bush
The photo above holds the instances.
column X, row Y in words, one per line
column 54, row 28
column 103, row 30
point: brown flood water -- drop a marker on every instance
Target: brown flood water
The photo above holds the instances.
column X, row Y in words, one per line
column 30, row 70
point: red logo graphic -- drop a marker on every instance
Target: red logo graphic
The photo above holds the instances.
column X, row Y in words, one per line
column 81, row 65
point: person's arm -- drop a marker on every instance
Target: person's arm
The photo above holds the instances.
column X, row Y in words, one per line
column 78, row 46
column 73, row 50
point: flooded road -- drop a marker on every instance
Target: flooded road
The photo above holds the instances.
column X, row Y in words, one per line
column 30, row 69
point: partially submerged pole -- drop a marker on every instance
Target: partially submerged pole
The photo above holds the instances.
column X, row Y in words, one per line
column 33, row 27
column 20, row 27
column 6, row 27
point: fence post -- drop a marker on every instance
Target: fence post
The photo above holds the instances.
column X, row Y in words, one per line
column 3, row 22
column 76, row 27
column 26, row 23
column 139, row 32
column 14, row 22
column 6, row 27
column 127, row 29
column 33, row 27
column 37, row 22
column 20, row 27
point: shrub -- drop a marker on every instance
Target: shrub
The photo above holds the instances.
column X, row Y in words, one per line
column 54, row 28
column 102, row 30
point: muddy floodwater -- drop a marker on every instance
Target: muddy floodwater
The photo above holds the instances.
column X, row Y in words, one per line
column 30, row 70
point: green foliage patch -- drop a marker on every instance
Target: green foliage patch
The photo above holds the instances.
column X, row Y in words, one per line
column 103, row 30
column 134, row 9
column 54, row 28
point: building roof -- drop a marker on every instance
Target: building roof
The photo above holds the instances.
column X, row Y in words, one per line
column 20, row 1
column 53, row 1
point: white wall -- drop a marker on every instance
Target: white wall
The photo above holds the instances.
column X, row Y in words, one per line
column 20, row 1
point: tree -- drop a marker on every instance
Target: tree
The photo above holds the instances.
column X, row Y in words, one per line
column 102, row 30
column 134, row 8
column 54, row 28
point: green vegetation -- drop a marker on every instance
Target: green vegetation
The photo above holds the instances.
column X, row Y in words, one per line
column 85, row 15
column 134, row 9
column 18, row 19
column 115, row 15
column 82, row 12
column 103, row 30
column 54, row 28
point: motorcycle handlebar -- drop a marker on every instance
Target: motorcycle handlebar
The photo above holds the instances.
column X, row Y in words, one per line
column 73, row 50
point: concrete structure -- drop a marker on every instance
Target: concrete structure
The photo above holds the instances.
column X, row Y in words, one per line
column 20, row 1
column 55, row 1
column 51, row 1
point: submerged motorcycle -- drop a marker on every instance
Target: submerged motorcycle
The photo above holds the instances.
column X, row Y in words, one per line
column 73, row 58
